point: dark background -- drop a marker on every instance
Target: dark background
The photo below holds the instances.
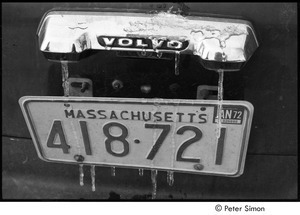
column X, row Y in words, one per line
column 268, row 81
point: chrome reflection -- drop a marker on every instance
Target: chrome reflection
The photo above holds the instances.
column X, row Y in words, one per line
column 220, row 43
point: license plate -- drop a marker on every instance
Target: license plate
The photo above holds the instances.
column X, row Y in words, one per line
column 163, row 134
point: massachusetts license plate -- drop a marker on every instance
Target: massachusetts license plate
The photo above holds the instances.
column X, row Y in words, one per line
column 165, row 134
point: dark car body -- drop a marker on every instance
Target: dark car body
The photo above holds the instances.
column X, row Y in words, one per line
column 268, row 81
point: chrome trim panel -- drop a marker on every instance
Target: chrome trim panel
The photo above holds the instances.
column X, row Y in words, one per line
column 64, row 35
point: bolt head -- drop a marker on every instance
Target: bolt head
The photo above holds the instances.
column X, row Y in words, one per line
column 79, row 158
column 146, row 88
column 198, row 166
column 117, row 84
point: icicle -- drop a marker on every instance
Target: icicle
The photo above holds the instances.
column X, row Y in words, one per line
column 177, row 58
column 220, row 100
column 154, row 183
column 81, row 174
column 143, row 52
column 223, row 46
column 141, row 172
column 223, row 57
column 158, row 54
column 220, row 87
column 170, row 9
column 93, row 175
column 113, row 171
column 65, row 77
column 170, row 178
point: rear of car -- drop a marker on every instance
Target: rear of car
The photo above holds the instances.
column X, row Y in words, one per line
column 78, row 55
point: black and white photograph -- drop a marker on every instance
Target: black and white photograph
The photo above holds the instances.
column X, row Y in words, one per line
column 150, row 102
